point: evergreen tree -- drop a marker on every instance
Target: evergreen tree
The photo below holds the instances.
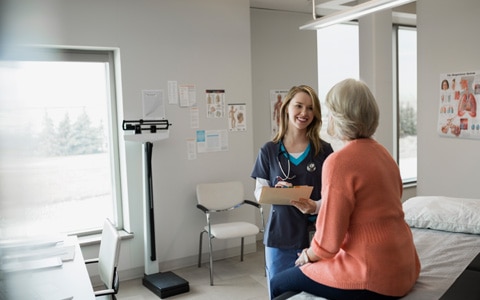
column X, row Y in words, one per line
column 64, row 136
column 408, row 122
column 78, row 138
column 47, row 137
column 80, row 142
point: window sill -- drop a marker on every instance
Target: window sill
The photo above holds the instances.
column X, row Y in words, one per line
column 94, row 239
column 409, row 184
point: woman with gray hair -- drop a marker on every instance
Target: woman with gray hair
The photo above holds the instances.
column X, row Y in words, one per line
column 363, row 248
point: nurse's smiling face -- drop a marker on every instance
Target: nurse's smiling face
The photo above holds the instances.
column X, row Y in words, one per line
column 300, row 111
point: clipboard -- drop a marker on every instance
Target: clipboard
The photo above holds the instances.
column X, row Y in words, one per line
column 282, row 196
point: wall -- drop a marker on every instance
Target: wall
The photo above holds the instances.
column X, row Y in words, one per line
column 447, row 42
column 206, row 43
column 282, row 56
column 375, row 47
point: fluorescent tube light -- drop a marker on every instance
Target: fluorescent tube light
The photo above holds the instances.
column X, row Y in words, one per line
column 352, row 13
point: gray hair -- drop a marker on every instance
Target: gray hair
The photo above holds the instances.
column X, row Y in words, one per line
column 353, row 109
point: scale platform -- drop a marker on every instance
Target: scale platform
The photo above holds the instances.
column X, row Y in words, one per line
column 166, row 284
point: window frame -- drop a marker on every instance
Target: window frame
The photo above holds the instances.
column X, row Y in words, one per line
column 396, row 62
column 111, row 58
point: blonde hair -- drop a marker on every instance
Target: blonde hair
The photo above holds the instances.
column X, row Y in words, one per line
column 353, row 109
column 313, row 130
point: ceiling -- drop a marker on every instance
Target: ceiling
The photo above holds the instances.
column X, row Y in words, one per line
column 323, row 7
column 304, row 6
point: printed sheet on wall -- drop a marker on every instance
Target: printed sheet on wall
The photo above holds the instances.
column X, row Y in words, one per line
column 458, row 97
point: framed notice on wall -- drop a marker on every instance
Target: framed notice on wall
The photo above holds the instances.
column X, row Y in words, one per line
column 457, row 113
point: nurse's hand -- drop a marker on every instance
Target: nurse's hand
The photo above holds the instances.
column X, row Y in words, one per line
column 306, row 206
column 283, row 184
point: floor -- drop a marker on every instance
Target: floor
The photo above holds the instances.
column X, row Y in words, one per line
column 233, row 279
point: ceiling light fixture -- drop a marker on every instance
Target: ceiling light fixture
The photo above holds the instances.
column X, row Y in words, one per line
column 352, row 13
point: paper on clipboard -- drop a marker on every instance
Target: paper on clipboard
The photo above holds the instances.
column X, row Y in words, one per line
column 282, row 196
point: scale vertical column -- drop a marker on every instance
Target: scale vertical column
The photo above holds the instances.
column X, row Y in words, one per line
column 151, row 265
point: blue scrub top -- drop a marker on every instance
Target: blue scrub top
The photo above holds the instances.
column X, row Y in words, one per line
column 287, row 227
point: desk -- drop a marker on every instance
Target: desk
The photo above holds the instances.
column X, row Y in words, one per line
column 66, row 280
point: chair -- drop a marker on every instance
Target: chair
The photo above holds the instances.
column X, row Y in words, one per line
column 107, row 260
column 220, row 197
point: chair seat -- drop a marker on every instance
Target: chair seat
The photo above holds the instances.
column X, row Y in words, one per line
column 233, row 230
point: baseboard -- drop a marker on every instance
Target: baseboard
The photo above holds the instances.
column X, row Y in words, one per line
column 217, row 254
column 124, row 275
column 184, row 262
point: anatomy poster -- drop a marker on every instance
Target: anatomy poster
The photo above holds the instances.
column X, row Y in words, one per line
column 276, row 97
column 458, row 97
column 215, row 103
column 237, row 117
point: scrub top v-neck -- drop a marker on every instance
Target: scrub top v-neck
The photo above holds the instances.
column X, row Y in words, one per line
column 287, row 226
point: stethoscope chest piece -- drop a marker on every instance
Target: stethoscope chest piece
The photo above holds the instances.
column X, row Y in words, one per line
column 311, row 167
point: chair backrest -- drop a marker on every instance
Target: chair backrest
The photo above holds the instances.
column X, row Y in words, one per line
column 222, row 195
column 109, row 254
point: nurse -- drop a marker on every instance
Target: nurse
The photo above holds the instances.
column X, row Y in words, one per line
column 294, row 156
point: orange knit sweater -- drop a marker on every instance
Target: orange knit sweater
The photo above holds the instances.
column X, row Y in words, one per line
column 362, row 239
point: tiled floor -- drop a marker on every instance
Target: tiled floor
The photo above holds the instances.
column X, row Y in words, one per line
column 233, row 279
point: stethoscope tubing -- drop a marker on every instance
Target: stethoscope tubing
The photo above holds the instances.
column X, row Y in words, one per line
column 286, row 176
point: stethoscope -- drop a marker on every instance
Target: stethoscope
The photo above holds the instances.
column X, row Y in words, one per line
column 286, row 176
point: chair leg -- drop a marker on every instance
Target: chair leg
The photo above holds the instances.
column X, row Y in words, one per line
column 241, row 250
column 264, row 261
column 211, row 258
column 200, row 249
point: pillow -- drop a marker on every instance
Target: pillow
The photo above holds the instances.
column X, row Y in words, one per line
column 443, row 213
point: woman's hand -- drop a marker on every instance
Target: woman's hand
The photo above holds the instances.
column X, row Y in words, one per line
column 306, row 206
column 302, row 258
column 306, row 256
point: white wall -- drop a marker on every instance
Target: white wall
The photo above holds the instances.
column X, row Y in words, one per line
column 376, row 57
column 282, row 56
column 206, row 43
column 447, row 42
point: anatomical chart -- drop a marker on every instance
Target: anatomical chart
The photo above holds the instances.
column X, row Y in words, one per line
column 215, row 103
column 276, row 98
column 458, row 97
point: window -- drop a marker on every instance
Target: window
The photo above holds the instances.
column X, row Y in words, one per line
column 338, row 58
column 59, row 164
column 407, row 102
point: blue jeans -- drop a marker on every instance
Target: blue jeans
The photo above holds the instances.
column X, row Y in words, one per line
column 278, row 260
column 294, row 280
